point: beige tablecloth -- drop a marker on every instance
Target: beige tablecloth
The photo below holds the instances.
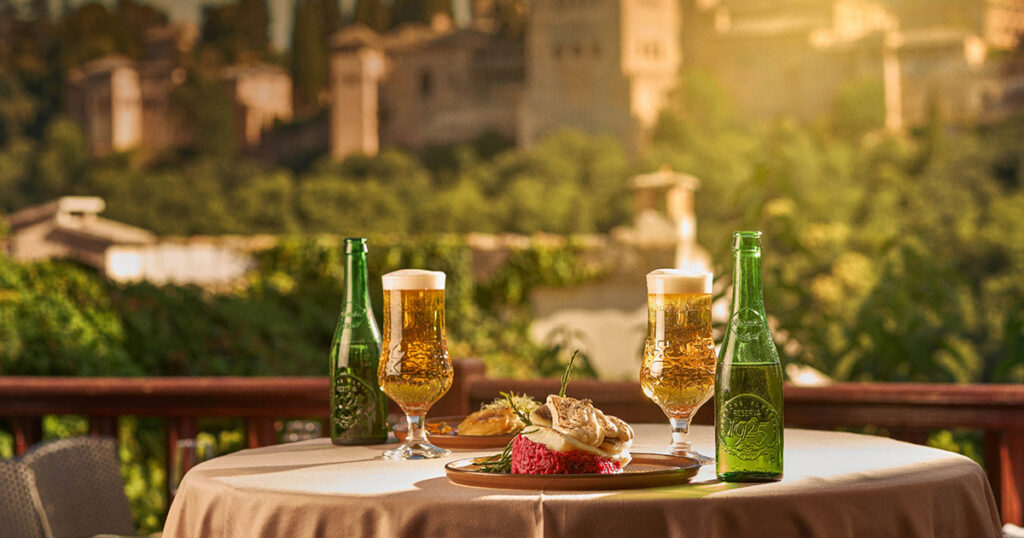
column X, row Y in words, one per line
column 835, row 485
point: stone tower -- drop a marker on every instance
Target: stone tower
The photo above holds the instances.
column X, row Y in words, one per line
column 356, row 67
column 600, row 66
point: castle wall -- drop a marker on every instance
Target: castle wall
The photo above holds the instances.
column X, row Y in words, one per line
column 451, row 91
column 574, row 71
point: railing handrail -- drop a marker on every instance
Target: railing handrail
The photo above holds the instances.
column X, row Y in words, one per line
column 169, row 396
column 137, row 385
column 1002, row 395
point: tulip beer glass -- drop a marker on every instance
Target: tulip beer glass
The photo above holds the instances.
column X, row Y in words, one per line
column 414, row 369
column 678, row 371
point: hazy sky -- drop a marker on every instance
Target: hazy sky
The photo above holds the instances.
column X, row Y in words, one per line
column 189, row 10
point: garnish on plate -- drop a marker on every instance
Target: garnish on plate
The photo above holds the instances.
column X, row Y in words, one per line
column 503, row 416
column 439, row 428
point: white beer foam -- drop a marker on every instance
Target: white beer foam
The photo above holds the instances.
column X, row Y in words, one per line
column 678, row 281
column 413, row 279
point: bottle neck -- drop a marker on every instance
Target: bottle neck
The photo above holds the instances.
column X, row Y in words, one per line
column 357, row 289
column 746, row 280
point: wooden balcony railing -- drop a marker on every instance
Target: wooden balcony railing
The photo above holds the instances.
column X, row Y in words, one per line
column 906, row 411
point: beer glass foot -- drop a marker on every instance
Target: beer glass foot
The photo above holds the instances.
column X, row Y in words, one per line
column 416, row 445
column 681, row 443
column 416, row 451
column 689, row 452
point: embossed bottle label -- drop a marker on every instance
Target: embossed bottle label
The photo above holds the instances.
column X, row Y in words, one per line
column 748, row 325
column 750, row 427
column 353, row 401
column 352, row 315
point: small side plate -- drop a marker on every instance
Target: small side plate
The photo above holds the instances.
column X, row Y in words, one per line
column 644, row 471
column 453, row 440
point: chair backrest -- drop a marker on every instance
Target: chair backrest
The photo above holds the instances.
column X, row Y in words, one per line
column 80, row 487
column 18, row 509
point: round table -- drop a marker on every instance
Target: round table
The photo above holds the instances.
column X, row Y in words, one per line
column 835, row 485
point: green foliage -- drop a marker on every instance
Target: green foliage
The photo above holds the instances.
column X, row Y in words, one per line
column 204, row 105
column 92, row 31
column 372, row 13
column 886, row 257
column 141, row 449
column 62, row 159
column 17, row 107
column 421, row 11
column 266, row 203
column 57, row 319
column 859, row 108
column 237, row 32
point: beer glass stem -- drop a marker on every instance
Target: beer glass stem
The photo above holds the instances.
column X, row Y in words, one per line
column 680, row 434
column 681, row 440
column 416, row 434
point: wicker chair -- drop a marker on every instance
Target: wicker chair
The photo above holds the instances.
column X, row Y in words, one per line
column 19, row 505
column 80, row 487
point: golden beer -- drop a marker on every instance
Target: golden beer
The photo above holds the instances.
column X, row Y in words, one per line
column 678, row 371
column 414, row 370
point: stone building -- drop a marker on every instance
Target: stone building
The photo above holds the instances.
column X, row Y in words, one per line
column 71, row 228
column 789, row 58
column 420, row 86
column 602, row 67
column 262, row 94
column 793, row 58
column 106, row 98
column 356, row 68
column 953, row 57
column 125, row 105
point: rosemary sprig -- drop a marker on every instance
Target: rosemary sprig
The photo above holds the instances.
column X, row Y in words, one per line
column 523, row 416
column 567, row 374
column 502, row 463
column 499, row 463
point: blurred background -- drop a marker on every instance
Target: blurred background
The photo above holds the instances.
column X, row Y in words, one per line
column 176, row 178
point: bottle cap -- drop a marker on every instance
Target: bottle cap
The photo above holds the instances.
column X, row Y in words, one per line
column 678, row 281
column 746, row 241
column 355, row 244
column 413, row 279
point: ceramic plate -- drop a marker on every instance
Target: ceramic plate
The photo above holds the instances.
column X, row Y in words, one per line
column 644, row 471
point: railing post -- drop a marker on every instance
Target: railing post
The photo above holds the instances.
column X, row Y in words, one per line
column 27, row 432
column 260, row 432
column 1011, row 466
column 918, row 436
column 103, row 426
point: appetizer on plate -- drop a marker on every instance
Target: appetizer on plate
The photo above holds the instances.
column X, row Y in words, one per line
column 498, row 417
column 570, row 436
column 564, row 436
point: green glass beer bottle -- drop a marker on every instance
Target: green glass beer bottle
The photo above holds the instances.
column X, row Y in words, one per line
column 748, row 382
column 358, row 407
